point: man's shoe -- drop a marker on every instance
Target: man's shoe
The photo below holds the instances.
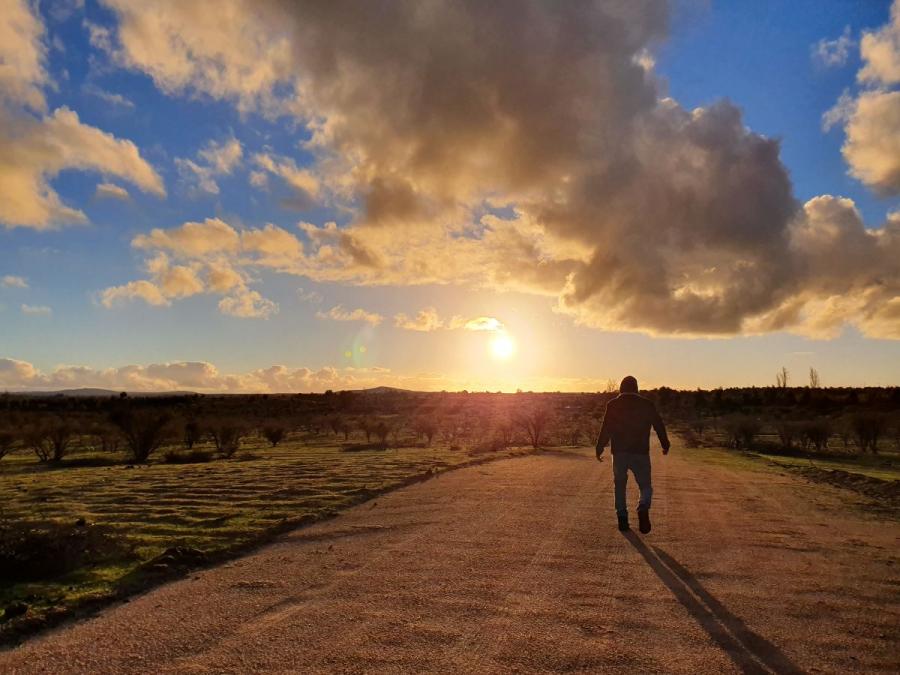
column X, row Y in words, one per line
column 644, row 520
column 623, row 524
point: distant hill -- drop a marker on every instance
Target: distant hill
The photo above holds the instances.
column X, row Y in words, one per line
column 384, row 390
column 90, row 392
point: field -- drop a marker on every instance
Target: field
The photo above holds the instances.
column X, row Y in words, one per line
column 196, row 512
column 103, row 496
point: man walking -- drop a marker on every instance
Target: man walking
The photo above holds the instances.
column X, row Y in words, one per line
column 627, row 423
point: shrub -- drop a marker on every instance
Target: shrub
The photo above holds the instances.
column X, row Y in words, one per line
column 741, row 430
column 382, row 430
column 426, row 426
column 698, row 426
column 367, row 426
column 190, row 457
column 504, row 434
column 36, row 551
column 816, row 433
column 691, row 440
column 868, row 428
column 108, row 436
column 787, row 431
column 227, row 437
column 144, row 431
column 274, row 434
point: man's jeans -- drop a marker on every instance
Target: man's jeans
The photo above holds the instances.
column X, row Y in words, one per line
column 639, row 465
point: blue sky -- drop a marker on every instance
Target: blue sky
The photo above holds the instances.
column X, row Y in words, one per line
column 757, row 55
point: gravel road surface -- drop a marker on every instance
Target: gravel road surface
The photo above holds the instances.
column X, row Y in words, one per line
column 517, row 566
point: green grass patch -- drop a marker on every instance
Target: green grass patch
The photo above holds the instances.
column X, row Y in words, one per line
column 881, row 467
column 170, row 517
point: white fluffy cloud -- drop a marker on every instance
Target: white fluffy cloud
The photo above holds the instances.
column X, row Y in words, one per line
column 871, row 119
column 880, row 51
column 22, row 55
column 35, row 149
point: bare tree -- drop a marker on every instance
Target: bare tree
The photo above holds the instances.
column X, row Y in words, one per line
column 144, row 431
column 59, row 436
column 813, row 378
column 781, row 378
column 534, row 423
column 35, row 438
column 227, row 436
column 192, row 433
column 426, row 426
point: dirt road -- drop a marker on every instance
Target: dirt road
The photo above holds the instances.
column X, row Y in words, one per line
column 517, row 566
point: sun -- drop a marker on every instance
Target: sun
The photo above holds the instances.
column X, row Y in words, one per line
column 502, row 347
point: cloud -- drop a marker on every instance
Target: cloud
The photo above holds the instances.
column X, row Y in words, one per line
column 205, row 377
column 192, row 239
column 484, row 323
column 303, row 183
column 22, row 56
column 233, row 49
column 215, row 159
column 248, row 304
column 833, row 53
column 12, row 281
column 200, row 376
column 61, row 10
column 141, row 289
column 338, row 313
column 872, row 145
column 17, row 373
column 880, row 51
column 871, row 119
column 425, row 320
column 312, row 297
column 33, row 149
column 111, row 191
column 169, row 282
column 209, row 251
column 108, row 97
column 36, row 310
column 463, row 160
column 428, row 320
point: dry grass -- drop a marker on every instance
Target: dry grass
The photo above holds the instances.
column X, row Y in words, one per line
column 216, row 507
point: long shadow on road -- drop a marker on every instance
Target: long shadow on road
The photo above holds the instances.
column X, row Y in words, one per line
column 750, row 652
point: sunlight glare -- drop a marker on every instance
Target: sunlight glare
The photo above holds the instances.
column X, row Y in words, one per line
column 502, row 346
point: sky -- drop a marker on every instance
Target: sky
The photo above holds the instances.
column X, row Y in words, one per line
column 227, row 195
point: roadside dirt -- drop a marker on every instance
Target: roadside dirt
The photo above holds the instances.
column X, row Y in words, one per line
column 518, row 566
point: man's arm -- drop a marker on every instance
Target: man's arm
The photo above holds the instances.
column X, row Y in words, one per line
column 603, row 439
column 660, row 429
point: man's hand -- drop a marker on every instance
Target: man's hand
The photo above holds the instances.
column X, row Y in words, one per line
column 599, row 454
column 666, row 449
